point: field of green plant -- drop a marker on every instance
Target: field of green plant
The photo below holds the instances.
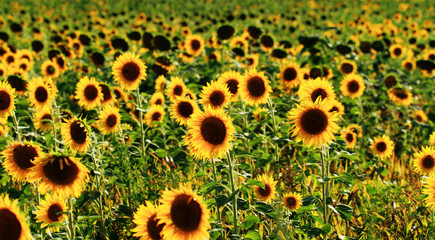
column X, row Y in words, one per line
column 214, row 119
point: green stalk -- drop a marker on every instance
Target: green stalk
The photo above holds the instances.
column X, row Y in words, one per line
column 99, row 187
column 325, row 184
column 17, row 131
column 233, row 188
column 71, row 225
column 142, row 133
column 215, row 179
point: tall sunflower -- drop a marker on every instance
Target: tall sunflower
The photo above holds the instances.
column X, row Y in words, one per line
column 19, row 159
column 232, row 79
column 424, row 160
column 75, row 134
column 182, row 109
column 13, row 223
column 267, row 193
column 147, row 223
column 40, row 93
column 290, row 75
column 312, row 123
column 317, row 88
column 383, row 146
column 43, row 120
column 292, row 201
column 215, row 95
column 108, row 120
column 89, row 92
column 400, row 96
column 347, row 67
column 154, row 114
column 194, row 45
column 128, row 70
column 254, row 87
column 184, row 214
column 350, row 138
column 7, row 98
column 352, row 86
column 51, row 210
column 176, row 88
column 211, row 133
column 61, row 174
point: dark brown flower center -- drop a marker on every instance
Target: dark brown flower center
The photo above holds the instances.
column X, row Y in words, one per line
column 23, row 156
column 428, row 162
column 390, row 81
column 111, row 120
column 156, row 116
column 107, row 95
column 397, row 51
column 46, row 118
column 256, row 86
column 178, row 90
column 408, row 66
column 217, row 98
column 10, row 226
column 41, row 94
column 266, row 191
column 347, row 68
column 314, row 121
column 61, row 176
column 401, row 93
column 5, row 100
column 334, row 109
column 78, row 132
column 233, row 86
column 349, row 137
column 195, row 44
column 290, row 74
column 185, row 109
column 158, row 102
column 381, row 147
column 353, row 86
column 50, row 70
column 186, row 213
column 213, row 130
column 54, row 212
column 130, row 71
column 291, row 202
column 320, row 92
column 10, row 59
column 154, row 229
column 91, row 92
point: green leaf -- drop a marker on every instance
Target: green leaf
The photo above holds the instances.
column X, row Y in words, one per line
column 343, row 210
column 209, row 187
column 326, row 228
column 253, row 235
column 249, row 221
column 160, row 153
column 255, row 183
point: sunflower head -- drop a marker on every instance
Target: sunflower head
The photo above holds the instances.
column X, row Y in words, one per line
column 215, row 95
column 424, row 160
column 390, row 80
column 7, row 99
column 383, row 146
column 182, row 109
column 400, row 96
column 176, row 88
column 255, row 87
column 51, row 210
column 350, row 138
column 147, row 223
column 290, row 75
column 13, row 223
column 397, row 51
column 108, row 120
column 194, row 45
column 420, row 116
column 292, row 201
column 154, row 114
column 337, row 107
column 75, row 133
column 50, row 69
column 268, row 192
column 319, row 88
column 157, row 98
column 41, row 93
column 128, row 70
column 347, row 67
column 19, row 159
column 160, row 83
column 232, row 80
column 352, row 86
column 259, row 114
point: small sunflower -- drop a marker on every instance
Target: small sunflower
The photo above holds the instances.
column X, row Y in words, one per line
column 390, row 80
column 7, row 97
column 76, row 135
column 89, row 93
column 184, row 214
column 182, row 109
column 147, row 223
column 292, row 201
column 19, row 159
column 350, row 138
column 157, row 99
column 267, row 193
column 107, row 94
column 429, row 190
column 259, row 114
column 60, row 174
column 383, row 146
column 420, row 116
column 347, row 67
column 108, row 120
column 40, row 93
column 194, row 45
column 176, row 88
column 211, row 133
column 254, row 87
column 215, row 95
column 290, row 75
column 352, row 86
column 160, row 83
column 312, row 123
column 128, row 70
column 424, row 161
column 400, row 96
column 50, row 69
column 336, row 107
column 317, row 88
column 50, row 211
column 43, row 120
column 232, row 79
column 251, row 61
column 154, row 114
column 397, row 51
column 13, row 223
column 408, row 64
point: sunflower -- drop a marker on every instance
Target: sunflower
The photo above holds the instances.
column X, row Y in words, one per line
column 107, row 94
column 390, row 80
column 62, row 174
column 120, row 95
column 259, row 114
column 89, row 92
column 49, row 69
column 76, row 135
column 251, row 61
column 347, row 67
column 128, row 70
column 182, row 109
column 352, row 86
column 232, row 79
column 13, row 223
column 157, row 99
column 355, row 128
column 255, row 87
column 336, row 106
column 4, row 128
column 292, row 200
column 215, row 95
column 7, row 98
column 154, row 114
column 40, row 93
column 400, row 96
column 383, row 146
column 350, row 138
column 317, row 88
column 290, row 75
column 176, row 88
column 147, row 223
column 420, row 116
column 211, row 133
column 3, row 70
column 108, row 120
column 51, row 210
column 184, row 214
column 408, row 64
column 397, row 51
column 19, row 159
column 43, row 120
column 267, row 193
column 24, row 65
column 424, row 160
column 194, row 45
column 160, row 83
column 429, row 190
column 312, row 123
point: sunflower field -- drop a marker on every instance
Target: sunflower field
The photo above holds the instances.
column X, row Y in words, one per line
column 217, row 119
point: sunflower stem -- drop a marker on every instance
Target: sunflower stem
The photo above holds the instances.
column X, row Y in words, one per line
column 233, row 189
column 56, row 109
column 325, row 183
column 72, row 230
column 100, row 189
column 17, row 131
column 142, row 132
column 215, row 179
